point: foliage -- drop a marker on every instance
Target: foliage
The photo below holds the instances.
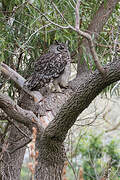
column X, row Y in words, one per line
column 25, row 174
column 26, row 33
column 97, row 158
column 24, row 28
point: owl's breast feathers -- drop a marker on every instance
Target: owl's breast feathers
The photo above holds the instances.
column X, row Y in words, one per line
column 48, row 67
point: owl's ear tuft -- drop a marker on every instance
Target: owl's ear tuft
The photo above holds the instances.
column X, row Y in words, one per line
column 56, row 42
column 67, row 42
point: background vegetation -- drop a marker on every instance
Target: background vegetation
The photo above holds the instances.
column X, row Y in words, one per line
column 26, row 32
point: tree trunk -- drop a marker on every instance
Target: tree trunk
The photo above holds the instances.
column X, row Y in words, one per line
column 50, row 160
column 49, row 142
column 11, row 162
column 50, row 136
column 96, row 25
column 51, row 157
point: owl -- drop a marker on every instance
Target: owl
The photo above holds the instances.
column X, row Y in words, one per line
column 53, row 66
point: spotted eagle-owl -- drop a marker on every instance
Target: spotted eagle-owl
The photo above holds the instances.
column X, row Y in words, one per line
column 53, row 66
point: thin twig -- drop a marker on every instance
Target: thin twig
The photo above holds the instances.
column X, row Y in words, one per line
column 59, row 12
column 84, row 34
column 49, row 20
column 22, row 132
column 58, row 25
column 69, row 3
column 20, row 6
column 89, row 38
column 72, row 168
column 77, row 16
column 35, row 33
column 92, row 49
column 21, row 146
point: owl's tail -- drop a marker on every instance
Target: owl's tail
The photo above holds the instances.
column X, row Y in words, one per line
column 31, row 83
column 35, row 82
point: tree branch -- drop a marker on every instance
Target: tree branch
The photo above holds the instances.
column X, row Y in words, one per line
column 87, row 90
column 101, row 17
column 19, row 80
column 77, row 18
column 15, row 112
column 92, row 49
column 21, row 146
column 89, row 38
column 95, row 27
column 84, row 34
column 55, row 7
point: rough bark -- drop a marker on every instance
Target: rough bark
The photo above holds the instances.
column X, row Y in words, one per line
column 51, row 152
column 102, row 16
column 12, row 160
column 50, row 137
column 19, row 80
column 86, row 89
column 12, row 157
column 96, row 25
column 50, row 140
column 50, row 160
column 25, row 117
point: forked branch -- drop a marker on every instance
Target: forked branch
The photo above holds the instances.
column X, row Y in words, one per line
column 19, row 80
column 28, row 118
column 89, row 38
column 81, row 33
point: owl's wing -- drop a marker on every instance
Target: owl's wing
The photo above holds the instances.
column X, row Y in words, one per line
column 48, row 67
column 50, row 63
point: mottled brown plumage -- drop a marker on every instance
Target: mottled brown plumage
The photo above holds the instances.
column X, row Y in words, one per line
column 53, row 66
